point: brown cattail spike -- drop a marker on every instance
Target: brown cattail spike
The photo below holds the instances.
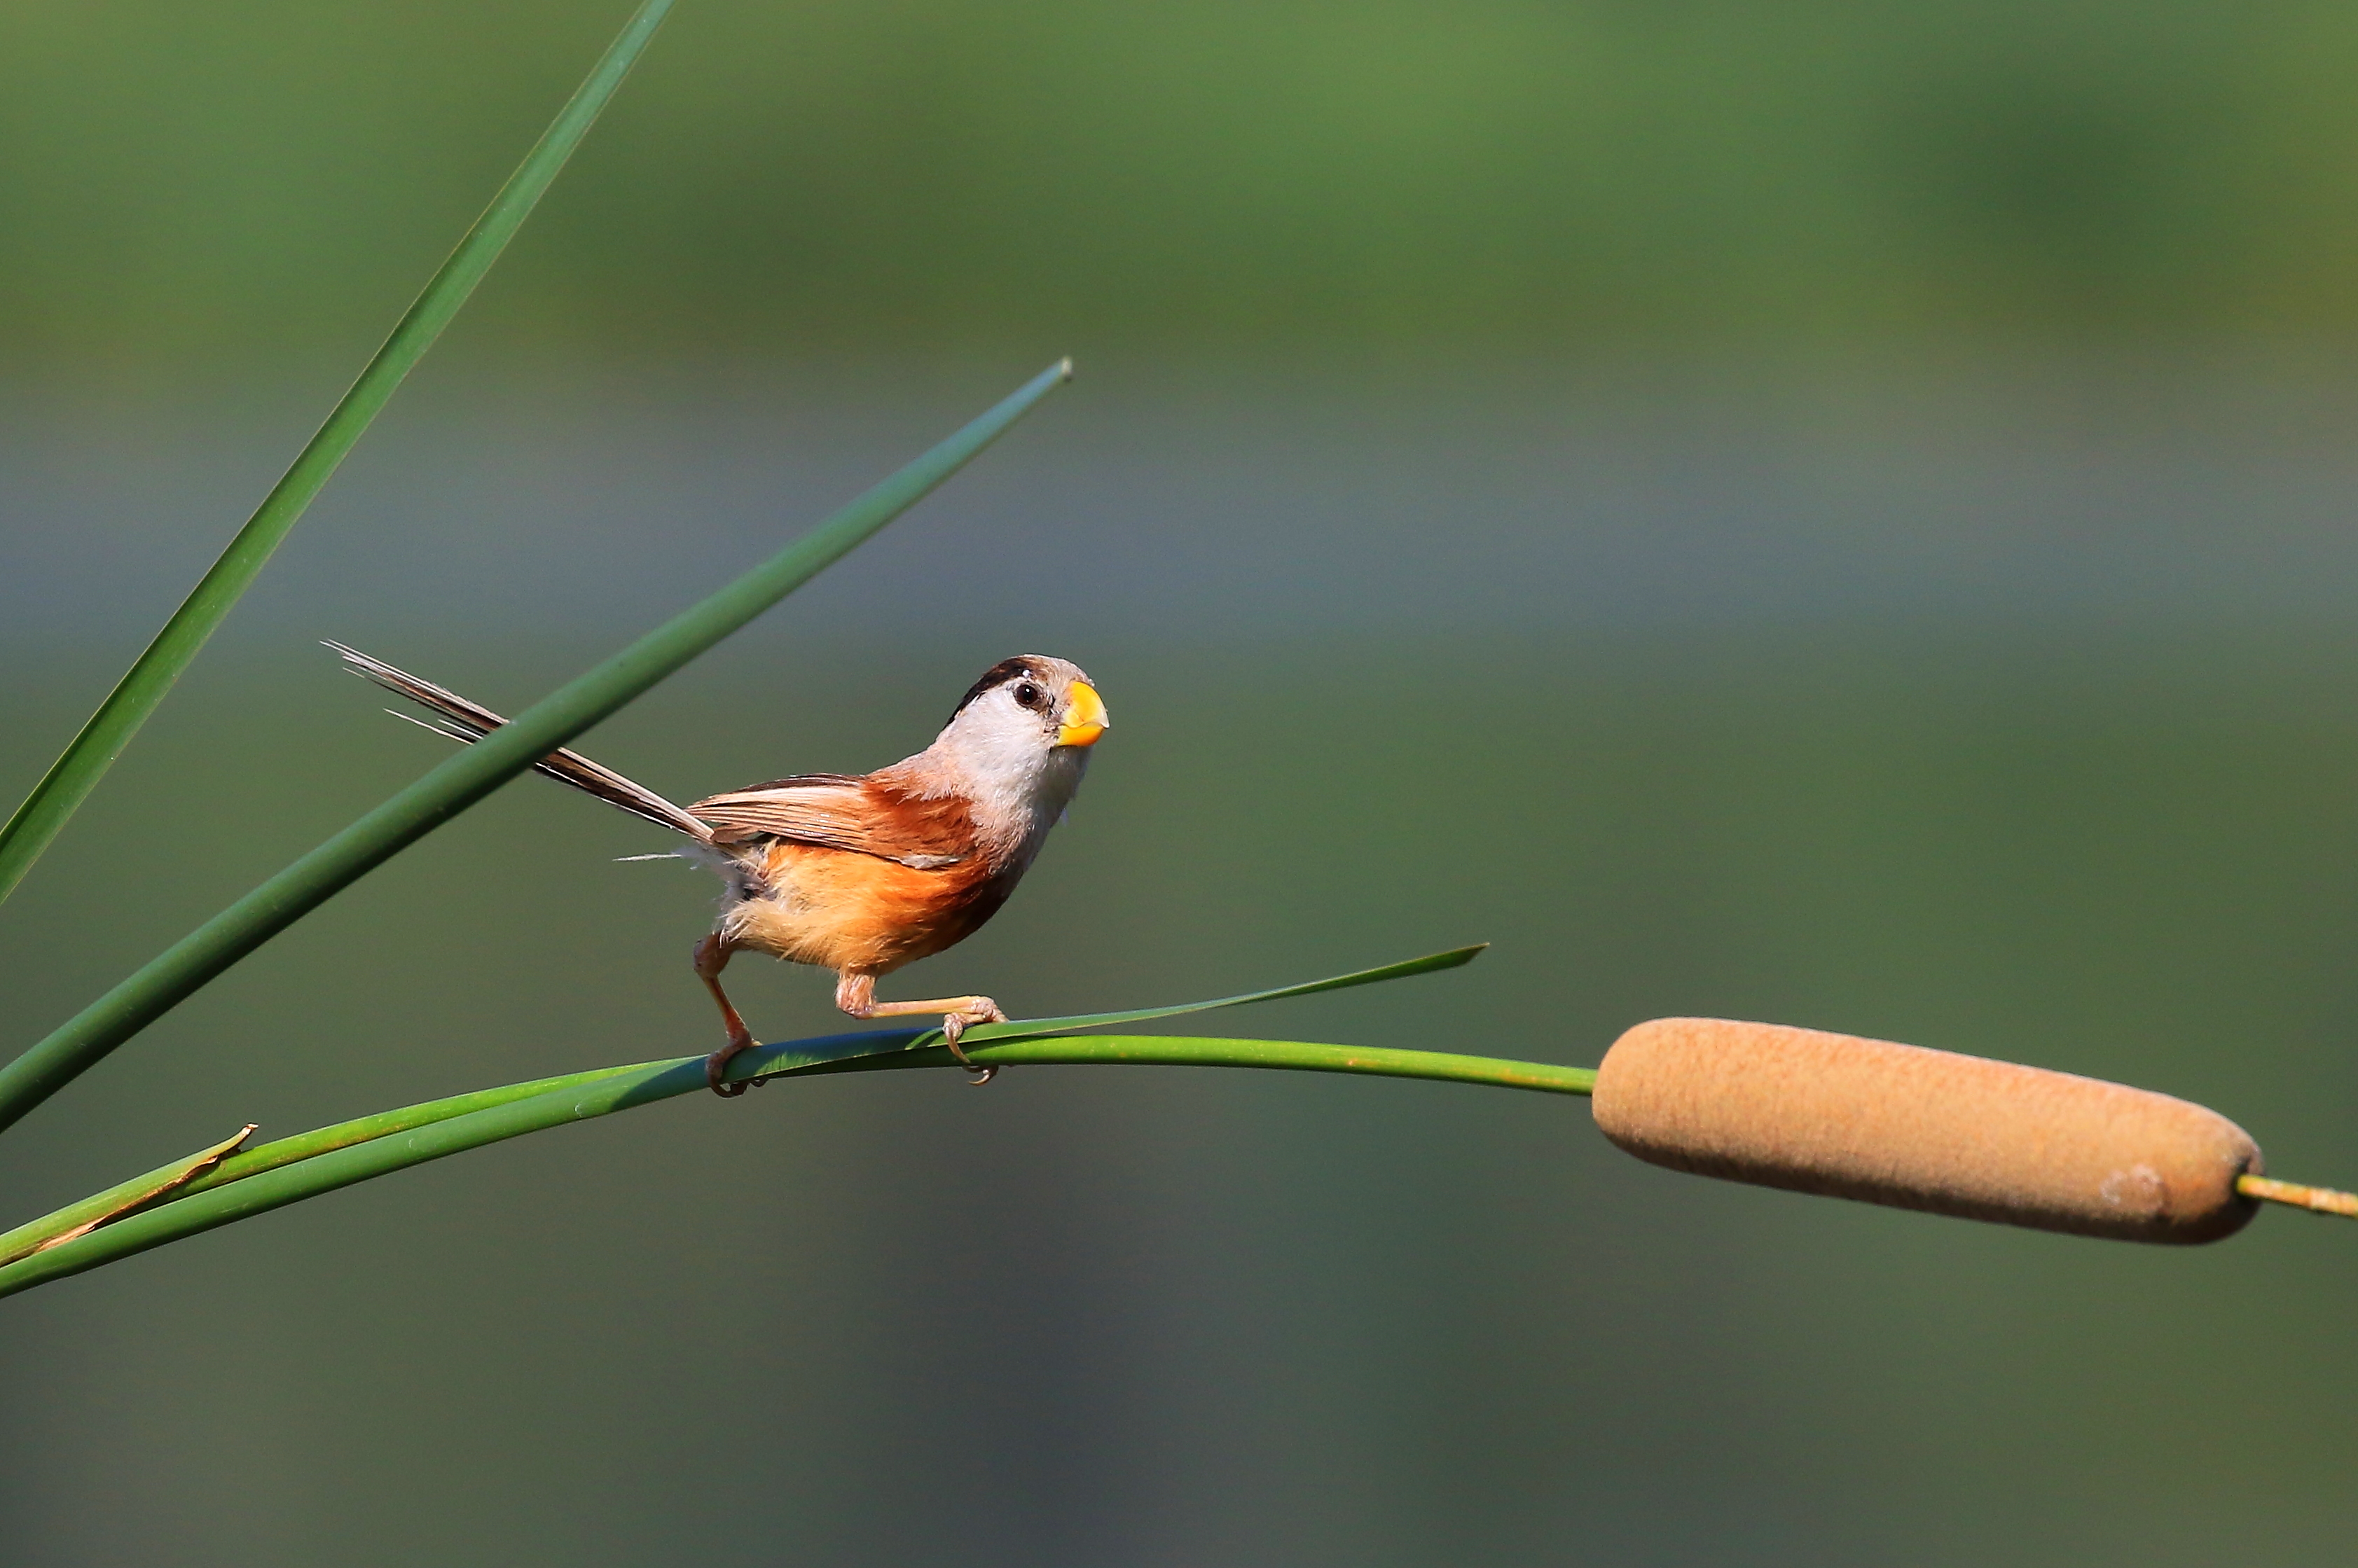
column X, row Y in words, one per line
column 1923, row 1129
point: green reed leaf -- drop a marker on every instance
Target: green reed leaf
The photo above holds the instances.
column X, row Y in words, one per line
column 118, row 1200
column 150, row 679
column 1431, row 964
column 310, row 1164
column 473, row 773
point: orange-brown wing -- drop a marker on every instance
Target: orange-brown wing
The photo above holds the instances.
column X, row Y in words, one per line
column 837, row 811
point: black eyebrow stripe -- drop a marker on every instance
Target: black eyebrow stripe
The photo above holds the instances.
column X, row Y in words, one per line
column 998, row 675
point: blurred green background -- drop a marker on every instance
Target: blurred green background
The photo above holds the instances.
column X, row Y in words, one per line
column 1503, row 176
column 1831, row 513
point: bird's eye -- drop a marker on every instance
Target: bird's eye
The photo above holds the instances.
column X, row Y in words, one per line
column 1028, row 695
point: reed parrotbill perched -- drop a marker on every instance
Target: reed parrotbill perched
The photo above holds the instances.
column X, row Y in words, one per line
column 858, row 873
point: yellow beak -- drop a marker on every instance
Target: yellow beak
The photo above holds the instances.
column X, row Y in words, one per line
column 1085, row 717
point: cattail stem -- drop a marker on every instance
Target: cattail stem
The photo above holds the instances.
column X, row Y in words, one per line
column 2316, row 1199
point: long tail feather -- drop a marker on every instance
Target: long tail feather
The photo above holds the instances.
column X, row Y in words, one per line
column 470, row 722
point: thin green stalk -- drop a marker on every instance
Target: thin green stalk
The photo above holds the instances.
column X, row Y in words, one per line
column 627, row 1088
column 1184, row 1050
column 871, row 1047
column 281, row 1152
column 76, row 773
column 342, row 1167
column 32, row 1236
column 469, row 774
column 139, row 1192
column 1030, row 1029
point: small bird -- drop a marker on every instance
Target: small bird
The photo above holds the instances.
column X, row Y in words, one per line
column 858, row 873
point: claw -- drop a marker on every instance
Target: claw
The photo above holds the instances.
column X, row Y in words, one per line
column 715, row 1068
column 953, row 1027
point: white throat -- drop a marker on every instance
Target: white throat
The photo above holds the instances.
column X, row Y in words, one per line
column 1017, row 779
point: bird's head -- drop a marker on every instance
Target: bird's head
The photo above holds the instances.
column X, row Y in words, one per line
column 1016, row 748
column 1026, row 726
column 1029, row 706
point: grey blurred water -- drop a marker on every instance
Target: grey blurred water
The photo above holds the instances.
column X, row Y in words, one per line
column 2069, row 492
column 2005, row 708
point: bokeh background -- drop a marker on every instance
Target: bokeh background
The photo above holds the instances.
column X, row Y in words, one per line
column 1833, row 513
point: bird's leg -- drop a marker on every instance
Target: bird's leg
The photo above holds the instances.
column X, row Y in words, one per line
column 711, row 957
column 855, row 993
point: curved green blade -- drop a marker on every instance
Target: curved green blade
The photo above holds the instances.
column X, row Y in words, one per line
column 1291, row 1056
column 220, row 1200
column 54, row 1229
column 863, row 1050
column 151, row 678
column 1033, row 1029
column 472, row 774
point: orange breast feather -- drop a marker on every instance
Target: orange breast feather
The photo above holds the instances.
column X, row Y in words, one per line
column 841, row 909
column 859, row 874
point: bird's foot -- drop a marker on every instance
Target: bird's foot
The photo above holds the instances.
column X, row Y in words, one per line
column 715, row 1068
column 981, row 1010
